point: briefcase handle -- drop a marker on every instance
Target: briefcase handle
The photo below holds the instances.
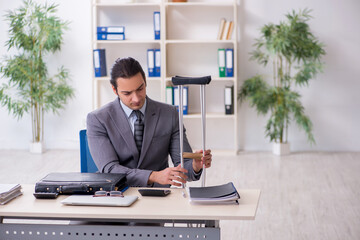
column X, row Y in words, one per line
column 72, row 189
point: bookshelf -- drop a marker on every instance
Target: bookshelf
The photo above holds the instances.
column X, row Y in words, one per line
column 188, row 38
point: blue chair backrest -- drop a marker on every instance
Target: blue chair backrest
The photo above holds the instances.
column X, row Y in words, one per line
column 87, row 163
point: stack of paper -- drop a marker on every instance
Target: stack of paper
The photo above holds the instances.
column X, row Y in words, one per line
column 9, row 192
column 221, row 194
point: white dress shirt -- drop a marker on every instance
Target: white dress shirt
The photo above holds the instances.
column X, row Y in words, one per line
column 131, row 116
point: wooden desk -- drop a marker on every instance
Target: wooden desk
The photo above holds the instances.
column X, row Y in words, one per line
column 171, row 209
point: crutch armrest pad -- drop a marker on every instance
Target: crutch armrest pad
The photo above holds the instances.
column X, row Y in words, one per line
column 178, row 80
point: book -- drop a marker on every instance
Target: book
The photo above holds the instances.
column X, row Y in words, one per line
column 229, row 100
column 221, row 62
column 221, row 28
column 230, row 31
column 226, row 29
column 99, row 62
column 157, row 25
column 8, row 192
column 220, row 194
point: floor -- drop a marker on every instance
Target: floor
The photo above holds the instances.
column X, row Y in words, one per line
column 307, row 195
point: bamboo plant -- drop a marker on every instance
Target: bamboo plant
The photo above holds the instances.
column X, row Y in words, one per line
column 295, row 54
column 35, row 33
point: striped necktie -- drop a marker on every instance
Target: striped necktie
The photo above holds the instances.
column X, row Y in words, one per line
column 138, row 130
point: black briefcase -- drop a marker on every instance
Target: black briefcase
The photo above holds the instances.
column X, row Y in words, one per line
column 78, row 183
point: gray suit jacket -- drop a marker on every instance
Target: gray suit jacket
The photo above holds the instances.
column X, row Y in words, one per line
column 113, row 147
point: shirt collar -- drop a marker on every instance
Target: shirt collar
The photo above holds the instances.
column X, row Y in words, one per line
column 128, row 110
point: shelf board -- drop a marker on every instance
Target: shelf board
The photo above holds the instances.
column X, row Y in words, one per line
column 147, row 78
column 205, row 4
column 209, row 115
column 222, row 79
column 153, row 4
column 121, row 4
column 127, row 41
column 188, row 41
column 213, row 79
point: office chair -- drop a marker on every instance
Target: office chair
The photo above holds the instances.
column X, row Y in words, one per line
column 87, row 163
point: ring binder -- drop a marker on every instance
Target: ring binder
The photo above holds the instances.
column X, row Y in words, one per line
column 229, row 62
column 229, row 100
column 221, row 62
column 150, row 62
column 157, row 61
column 157, row 25
column 99, row 62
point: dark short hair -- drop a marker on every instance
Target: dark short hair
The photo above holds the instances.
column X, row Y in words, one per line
column 125, row 68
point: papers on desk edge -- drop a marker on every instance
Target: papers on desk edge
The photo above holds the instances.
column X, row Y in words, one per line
column 220, row 194
column 9, row 192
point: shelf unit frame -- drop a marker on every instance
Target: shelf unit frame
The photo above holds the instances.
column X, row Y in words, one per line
column 163, row 44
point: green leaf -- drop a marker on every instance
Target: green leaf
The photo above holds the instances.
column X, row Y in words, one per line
column 35, row 32
column 296, row 55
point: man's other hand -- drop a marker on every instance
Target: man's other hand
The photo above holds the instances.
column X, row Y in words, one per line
column 171, row 175
column 198, row 163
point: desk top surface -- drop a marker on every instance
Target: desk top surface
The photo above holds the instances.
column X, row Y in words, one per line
column 173, row 206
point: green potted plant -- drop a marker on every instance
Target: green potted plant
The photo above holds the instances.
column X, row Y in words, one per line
column 295, row 54
column 35, row 33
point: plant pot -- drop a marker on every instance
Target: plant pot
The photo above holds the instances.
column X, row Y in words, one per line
column 37, row 147
column 281, row 149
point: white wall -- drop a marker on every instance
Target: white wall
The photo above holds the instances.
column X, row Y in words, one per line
column 331, row 100
column 61, row 131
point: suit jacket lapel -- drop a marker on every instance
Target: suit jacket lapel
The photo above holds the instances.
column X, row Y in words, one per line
column 120, row 120
column 151, row 119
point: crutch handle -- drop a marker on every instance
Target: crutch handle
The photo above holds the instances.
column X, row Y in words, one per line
column 192, row 155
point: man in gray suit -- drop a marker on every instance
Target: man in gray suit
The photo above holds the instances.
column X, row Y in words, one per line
column 110, row 132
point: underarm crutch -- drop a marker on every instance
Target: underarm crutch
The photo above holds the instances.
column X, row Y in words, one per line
column 180, row 82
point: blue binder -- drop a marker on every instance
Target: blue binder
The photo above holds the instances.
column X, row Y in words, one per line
column 150, row 62
column 111, row 36
column 111, row 29
column 185, row 99
column 157, row 25
column 99, row 62
column 157, row 61
column 229, row 62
